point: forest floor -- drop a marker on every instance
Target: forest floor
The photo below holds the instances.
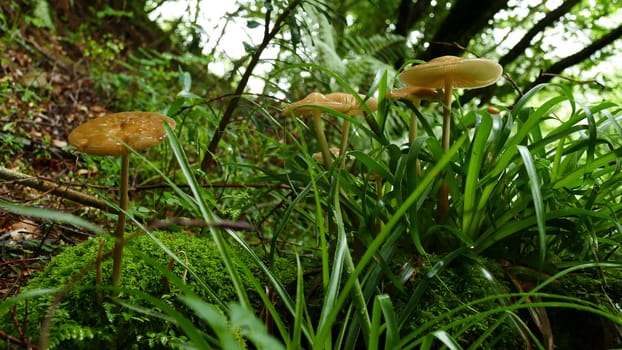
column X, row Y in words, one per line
column 44, row 94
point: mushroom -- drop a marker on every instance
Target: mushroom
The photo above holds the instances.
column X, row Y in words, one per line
column 320, row 158
column 348, row 104
column 414, row 94
column 448, row 72
column 339, row 101
column 118, row 134
column 306, row 107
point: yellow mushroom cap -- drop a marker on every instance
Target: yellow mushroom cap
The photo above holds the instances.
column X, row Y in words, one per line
column 460, row 72
column 106, row 135
column 338, row 101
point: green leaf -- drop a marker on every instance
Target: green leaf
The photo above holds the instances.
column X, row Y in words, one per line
column 252, row 328
column 252, row 24
column 475, row 160
column 43, row 13
column 217, row 321
column 374, row 166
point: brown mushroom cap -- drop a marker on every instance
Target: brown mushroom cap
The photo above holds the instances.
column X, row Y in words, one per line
column 106, row 135
column 338, row 101
column 346, row 103
column 414, row 92
column 461, row 72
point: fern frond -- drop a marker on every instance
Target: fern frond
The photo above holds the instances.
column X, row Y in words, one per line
column 386, row 48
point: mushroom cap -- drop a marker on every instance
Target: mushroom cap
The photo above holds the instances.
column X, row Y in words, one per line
column 414, row 92
column 106, row 135
column 461, row 72
column 339, row 101
column 348, row 104
column 319, row 157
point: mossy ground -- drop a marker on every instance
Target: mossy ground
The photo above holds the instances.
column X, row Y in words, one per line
column 81, row 321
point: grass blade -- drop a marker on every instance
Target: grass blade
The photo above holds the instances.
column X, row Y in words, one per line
column 534, row 185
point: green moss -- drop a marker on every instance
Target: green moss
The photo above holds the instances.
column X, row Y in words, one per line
column 82, row 322
column 463, row 281
column 603, row 288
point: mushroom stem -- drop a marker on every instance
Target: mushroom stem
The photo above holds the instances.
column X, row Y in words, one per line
column 412, row 130
column 318, row 127
column 98, row 271
column 443, row 195
column 447, row 115
column 119, row 233
column 345, row 131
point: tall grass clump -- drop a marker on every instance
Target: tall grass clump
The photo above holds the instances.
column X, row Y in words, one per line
column 274, row 248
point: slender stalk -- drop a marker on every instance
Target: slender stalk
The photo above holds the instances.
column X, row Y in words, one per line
column 345, row 131
column 447, row 115
column 98, row 271
column 412, row 130
column 318, row 127
column 119, row 233
column 443, row 195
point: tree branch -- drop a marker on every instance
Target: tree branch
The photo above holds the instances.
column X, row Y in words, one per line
column 549, row 19
column 576, row 58
column 519, row 48
column 465, row 19
column 208, row 158
column 54, row 188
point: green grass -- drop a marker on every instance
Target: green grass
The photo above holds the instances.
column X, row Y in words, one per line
column 353, row 257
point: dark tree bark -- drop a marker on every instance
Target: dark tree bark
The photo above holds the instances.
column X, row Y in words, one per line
column 576, row 58
column 550, row 18
column 465, row 19
column 409, row 13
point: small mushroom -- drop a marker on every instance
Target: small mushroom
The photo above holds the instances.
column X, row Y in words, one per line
column 320, row 158
column 414, row 94
column 448, row 72
column 118, row 134
column 308, row 106
column 348, row 104
column 339, row 101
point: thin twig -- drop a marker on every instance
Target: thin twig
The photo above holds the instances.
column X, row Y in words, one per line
column 60, row 190
column 233, row 225
column 578, row 81
column 208, row 158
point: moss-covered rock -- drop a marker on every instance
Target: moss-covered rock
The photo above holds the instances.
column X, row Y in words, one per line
column 445, row 295
column 81, row 321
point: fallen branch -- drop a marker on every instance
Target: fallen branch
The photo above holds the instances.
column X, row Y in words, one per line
column 55, row 189
column 233, row 225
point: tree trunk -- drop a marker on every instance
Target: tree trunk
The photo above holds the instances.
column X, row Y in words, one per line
column 465, row 19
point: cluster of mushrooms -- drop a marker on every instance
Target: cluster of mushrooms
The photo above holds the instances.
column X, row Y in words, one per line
column 422, row 82
column 119, row 134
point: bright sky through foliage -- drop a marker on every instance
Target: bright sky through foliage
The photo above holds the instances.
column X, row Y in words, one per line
column 227, row 46
column 226, row 37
